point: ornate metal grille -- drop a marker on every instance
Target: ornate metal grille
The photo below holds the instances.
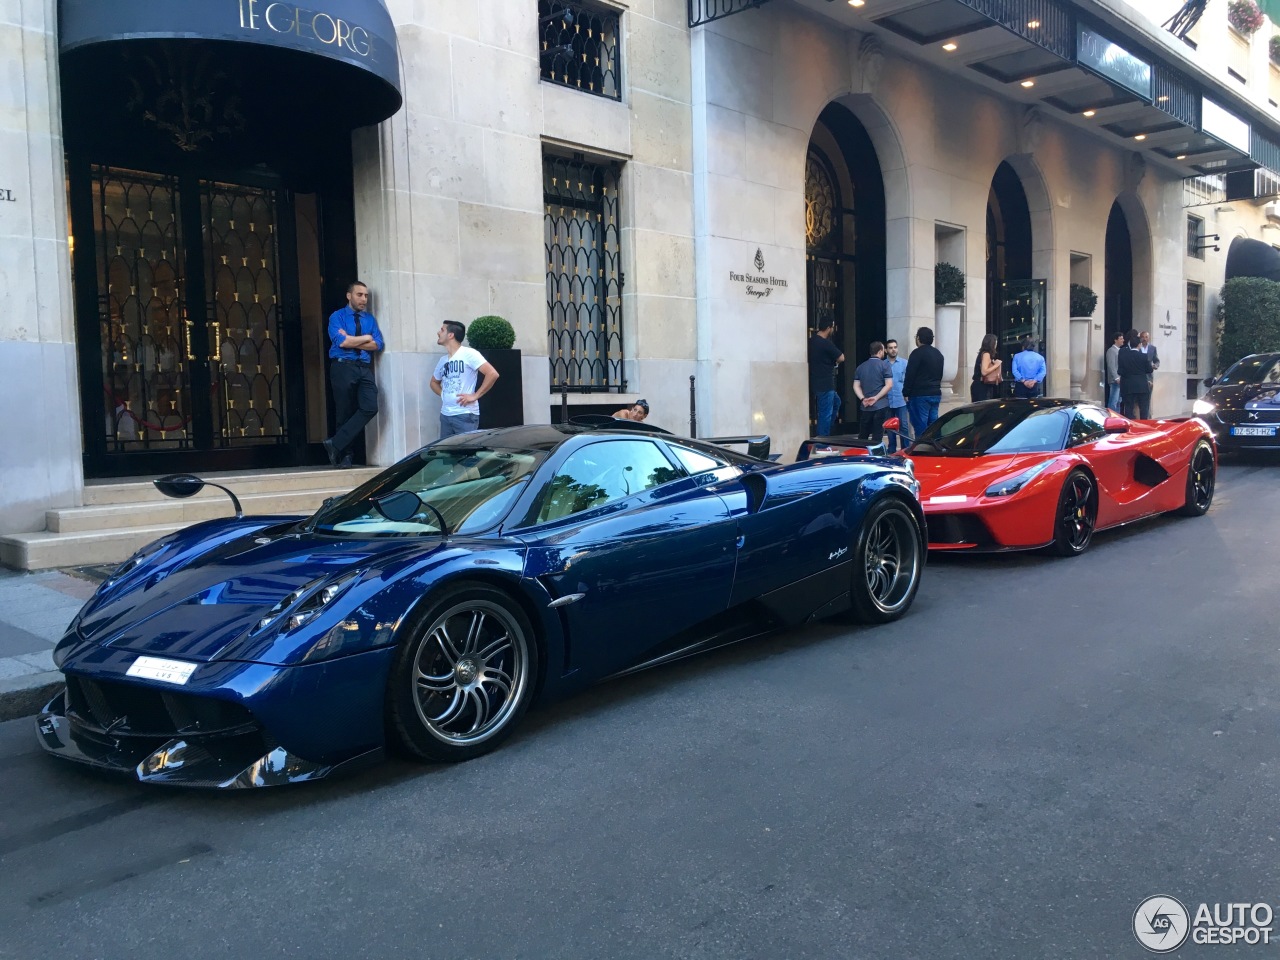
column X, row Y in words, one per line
column 579, row 47
column 244, row 314
column 1195, row 237
column 146, row 336
column 704, row 11
column 1175, row 94
column 822, row 208
column 1045, row 23
column 1193, row 328
column 584, row 275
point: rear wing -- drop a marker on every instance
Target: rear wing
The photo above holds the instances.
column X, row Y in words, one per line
column 757, row 447
column 816, row 447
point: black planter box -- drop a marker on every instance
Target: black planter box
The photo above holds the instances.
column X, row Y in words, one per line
column 503, row 406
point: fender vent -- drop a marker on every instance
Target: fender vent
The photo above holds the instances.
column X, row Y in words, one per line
column 1148, row 472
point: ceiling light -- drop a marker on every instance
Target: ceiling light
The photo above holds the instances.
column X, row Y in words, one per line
column 1181, row 156
column 1028, row 83
column 948, row 47
column 1033, row 24
column 1090, row 113
column 856, row 3
column 1163, row 98
column 1141, row 136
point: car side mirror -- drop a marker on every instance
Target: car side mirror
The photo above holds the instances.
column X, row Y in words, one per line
column 179, row 486
column 1210, row 381
column 400, row 505
column 893, row 423
column 1115, row 425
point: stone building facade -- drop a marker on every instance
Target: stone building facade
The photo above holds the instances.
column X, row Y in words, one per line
column 649, row 190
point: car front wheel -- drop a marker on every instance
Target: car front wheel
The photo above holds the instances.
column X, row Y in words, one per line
column 462, row 680
column 888, row 561
column 1077, row 515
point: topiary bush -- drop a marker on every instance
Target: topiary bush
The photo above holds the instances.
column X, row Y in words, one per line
column 948, row 283
column 1273, row 48
column 1083, row 300
column 1250, row 319
column 491, row 333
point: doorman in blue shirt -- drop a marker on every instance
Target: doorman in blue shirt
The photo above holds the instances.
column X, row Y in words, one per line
column 354, row 338
column 1028, row 371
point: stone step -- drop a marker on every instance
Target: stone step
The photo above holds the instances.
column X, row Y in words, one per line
column 42, row 551
column 163, row 510
column 140, row 489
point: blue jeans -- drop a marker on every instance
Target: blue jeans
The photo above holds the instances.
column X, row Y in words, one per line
column 828, row 409
column 923, row 410
column 891, row 438
column 461, row 423
column 1113, row 397
column 1024, row 392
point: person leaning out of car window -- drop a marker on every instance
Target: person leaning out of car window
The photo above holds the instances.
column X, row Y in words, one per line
column 1028, row 371
column 1135, row 378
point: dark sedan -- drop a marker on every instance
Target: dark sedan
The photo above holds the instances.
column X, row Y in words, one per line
column 1242, row 406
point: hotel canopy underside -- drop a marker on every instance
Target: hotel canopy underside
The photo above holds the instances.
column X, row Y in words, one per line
column 1117, row 79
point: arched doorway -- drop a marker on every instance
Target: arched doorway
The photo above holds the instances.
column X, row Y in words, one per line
column 1118, row 302
column 1016, row 301
column 845, row 238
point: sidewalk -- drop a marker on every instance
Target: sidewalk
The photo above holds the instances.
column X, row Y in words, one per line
column 35, row 609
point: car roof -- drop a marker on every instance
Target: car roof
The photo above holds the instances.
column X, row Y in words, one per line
column 1033, row 403
column 545, row 437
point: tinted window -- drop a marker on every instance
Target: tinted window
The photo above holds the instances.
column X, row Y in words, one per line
column 1253, row 370
column 602, row 473
column 1089, row 424
column 997, row 429
column 696, row 462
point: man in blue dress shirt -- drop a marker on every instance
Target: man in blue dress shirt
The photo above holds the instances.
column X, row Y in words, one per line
column 897, row 402
column 354, row 338
column 1028, row 371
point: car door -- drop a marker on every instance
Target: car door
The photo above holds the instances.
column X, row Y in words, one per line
column 636, row 550
column 1113, row 458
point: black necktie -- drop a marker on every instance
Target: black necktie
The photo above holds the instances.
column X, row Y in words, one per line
column 359, row 332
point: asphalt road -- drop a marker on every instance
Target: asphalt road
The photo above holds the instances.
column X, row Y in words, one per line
column 1037, row 747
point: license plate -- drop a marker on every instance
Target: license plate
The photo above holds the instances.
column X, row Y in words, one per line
column 157, row 668
column 1253, row 431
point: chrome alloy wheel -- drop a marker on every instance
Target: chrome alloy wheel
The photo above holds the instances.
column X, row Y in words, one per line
column 1077, row 518
column 470, row 672
column 1203, row 477
column 891, row 560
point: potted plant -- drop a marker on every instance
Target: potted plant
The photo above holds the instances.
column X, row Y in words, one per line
column 948, row 314
column 1273, row 48
column 1245, row 17
column 1083, row 302
column 495, row 338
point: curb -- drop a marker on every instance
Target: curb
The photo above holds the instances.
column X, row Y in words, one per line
column 24, row 696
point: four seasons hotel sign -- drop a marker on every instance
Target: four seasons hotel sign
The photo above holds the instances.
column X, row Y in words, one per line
column 757, row 285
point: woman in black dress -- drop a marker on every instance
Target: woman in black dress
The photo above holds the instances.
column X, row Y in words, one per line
column 986, row 371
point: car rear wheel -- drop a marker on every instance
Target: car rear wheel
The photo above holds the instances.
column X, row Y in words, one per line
column 461, row 682
column 888, row 561
column 1202, row 475
column 1077, row 515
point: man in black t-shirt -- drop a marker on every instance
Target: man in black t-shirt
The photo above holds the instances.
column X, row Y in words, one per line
column 922, row 385
column 823, row 357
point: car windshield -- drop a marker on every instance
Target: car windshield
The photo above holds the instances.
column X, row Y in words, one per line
column 471, row 488
column 997, row 428
column 1253, row 370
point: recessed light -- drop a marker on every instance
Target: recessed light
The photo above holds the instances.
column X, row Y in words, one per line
column 856, row 3
column 948, row 47
column 1033, row 24
column 1163, row 98
column 1090, row 113
column 1028, row 83
column 1181, row 156
column 1141, row 136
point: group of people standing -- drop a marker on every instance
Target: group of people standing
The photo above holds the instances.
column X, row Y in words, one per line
column 1028, row 370
column 1131, row 363
column 354, row 339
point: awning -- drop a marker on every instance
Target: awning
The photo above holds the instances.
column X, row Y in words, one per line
column 342, row 52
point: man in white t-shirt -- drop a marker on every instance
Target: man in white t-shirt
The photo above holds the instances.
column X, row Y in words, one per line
column 454, row 381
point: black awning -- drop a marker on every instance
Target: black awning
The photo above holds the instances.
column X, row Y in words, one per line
column 350, row 45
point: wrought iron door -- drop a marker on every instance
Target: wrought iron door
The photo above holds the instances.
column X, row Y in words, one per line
column 189, row 329
column 825, row 261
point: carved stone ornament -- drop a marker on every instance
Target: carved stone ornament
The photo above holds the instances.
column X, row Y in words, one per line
column 1031, row 130
column 871, row 57
column 1135, row 169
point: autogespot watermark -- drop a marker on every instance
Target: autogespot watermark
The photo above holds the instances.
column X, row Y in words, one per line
column 1162, row 924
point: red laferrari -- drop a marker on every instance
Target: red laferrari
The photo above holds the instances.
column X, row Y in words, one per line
column 1022, row 474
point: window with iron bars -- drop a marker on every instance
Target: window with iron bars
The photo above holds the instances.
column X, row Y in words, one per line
column 1193, row 328
column 584, row 274
column 1195, row 237
column 580, row 47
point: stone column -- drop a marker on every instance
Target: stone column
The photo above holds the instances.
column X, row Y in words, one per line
column 40, row 423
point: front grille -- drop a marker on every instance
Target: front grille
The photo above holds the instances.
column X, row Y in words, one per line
column 1246, row 417
column 133, row 711
column 958, row 528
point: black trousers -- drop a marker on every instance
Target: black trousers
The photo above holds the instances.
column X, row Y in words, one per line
column 355, row 401
column 871, row 424
column 1137, row 406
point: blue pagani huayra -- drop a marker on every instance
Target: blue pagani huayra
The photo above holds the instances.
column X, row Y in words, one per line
column 427, row 609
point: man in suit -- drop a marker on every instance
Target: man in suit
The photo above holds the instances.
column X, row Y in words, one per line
column 1135, row 378
column 1149, row 349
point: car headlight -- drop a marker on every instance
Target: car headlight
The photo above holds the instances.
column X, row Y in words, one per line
column 304, row 604
column 1012, row 485
column 1203, row 407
